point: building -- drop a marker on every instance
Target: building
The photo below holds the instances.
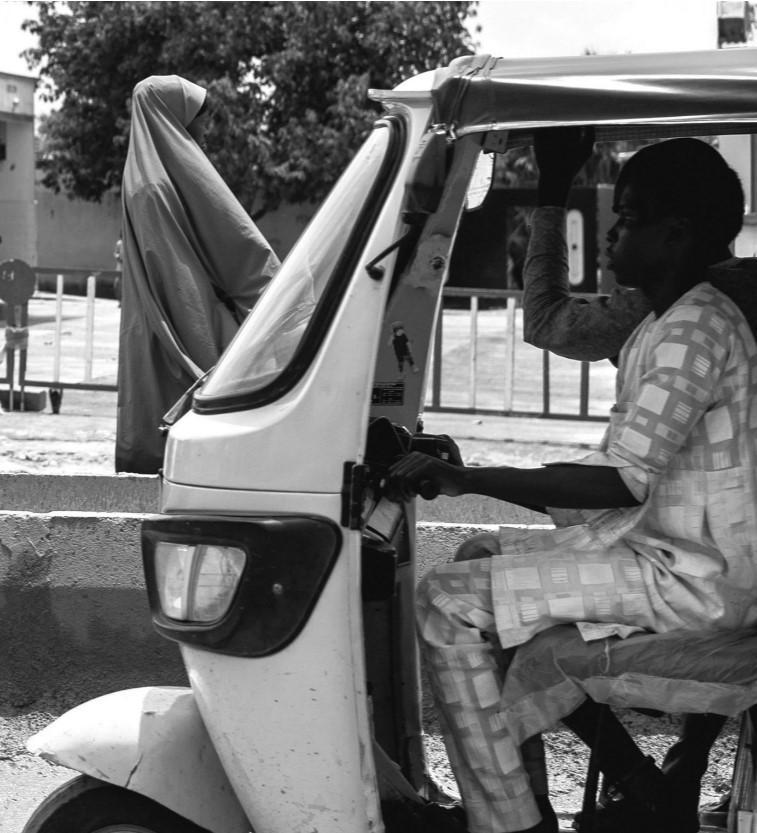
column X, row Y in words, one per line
column 18, row 223
column 736, row 19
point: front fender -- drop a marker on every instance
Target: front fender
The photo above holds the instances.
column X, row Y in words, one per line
column 152, row 741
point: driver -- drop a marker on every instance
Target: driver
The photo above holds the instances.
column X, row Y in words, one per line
column 655, row 531
column 588, row 330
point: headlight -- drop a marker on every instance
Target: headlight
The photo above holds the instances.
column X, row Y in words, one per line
column 244, row 587
column 197, row 582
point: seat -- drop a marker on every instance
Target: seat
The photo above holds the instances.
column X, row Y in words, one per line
column 680, row 672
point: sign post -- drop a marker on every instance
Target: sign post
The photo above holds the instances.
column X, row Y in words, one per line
column 17, row 284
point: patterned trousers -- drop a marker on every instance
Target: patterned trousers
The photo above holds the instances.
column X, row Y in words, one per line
column 466, row 667
column 466, row 612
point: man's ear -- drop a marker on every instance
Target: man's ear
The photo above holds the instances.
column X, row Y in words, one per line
column 679, row 233
column 680, row 229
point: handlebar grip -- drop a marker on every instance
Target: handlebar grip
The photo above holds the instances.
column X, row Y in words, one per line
column 428, row 490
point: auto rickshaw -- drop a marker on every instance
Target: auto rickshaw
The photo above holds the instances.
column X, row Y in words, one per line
column 277, row 563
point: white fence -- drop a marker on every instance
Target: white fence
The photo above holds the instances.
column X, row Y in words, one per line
column 73, row 341
column 480, row 363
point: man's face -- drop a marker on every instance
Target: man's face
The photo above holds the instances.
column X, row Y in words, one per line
column 639, row 251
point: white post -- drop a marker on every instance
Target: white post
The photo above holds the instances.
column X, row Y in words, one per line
column 89, row 332
column 473, row 355
column 509, row 353
column 58, row 327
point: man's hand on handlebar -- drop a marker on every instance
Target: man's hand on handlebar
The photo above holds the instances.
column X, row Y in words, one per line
column 423, row 474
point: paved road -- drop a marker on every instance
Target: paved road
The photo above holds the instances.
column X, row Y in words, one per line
column 25, row 781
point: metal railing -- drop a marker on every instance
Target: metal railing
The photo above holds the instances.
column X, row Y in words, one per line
column 522, row 380
column 479, row 365
column 65, row 284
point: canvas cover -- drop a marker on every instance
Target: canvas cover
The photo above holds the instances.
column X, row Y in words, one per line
column 482, row 93
column 194, row 264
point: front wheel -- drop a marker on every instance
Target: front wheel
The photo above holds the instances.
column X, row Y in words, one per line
column 86, row 805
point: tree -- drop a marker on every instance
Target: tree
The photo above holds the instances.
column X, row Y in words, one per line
column 287, row 83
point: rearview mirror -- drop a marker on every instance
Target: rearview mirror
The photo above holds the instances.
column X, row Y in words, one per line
column 480, row 182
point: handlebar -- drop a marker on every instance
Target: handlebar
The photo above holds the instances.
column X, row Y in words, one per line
column 389, row 443
column 428, row 490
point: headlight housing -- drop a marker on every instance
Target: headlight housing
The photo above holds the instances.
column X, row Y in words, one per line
column 244, row 588
column 197, row 582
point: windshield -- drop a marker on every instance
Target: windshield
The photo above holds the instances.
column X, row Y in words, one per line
column 276, row 327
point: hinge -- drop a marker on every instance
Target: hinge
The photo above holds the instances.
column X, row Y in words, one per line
column 353, row 488
column 373, row 269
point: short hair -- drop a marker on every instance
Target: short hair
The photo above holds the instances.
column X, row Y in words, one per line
column 688, row 178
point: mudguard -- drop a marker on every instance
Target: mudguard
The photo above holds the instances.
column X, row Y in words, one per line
column 152, row 741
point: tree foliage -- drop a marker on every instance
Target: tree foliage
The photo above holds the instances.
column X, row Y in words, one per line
column 287, row 82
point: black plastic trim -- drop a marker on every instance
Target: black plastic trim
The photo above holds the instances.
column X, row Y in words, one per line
column 289, row 560
column 333, row 294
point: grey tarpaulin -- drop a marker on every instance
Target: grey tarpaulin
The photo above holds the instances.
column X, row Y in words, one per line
column 680, row 671
column 482, row 93
column 194, row 264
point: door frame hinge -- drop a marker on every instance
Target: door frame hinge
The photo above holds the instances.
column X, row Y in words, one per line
column 353, row 489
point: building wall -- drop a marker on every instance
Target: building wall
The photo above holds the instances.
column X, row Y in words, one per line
column 17, row 217
column 75, row 233
column 282, row 228
column 79, row 234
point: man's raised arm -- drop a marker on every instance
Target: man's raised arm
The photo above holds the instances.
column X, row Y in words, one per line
column 553, row 318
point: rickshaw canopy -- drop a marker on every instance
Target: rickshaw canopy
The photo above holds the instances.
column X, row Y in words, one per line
column 659, row 93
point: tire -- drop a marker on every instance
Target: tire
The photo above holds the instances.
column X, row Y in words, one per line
column 86, row 805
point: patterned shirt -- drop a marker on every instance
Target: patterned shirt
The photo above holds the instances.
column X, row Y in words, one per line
column 683, row 436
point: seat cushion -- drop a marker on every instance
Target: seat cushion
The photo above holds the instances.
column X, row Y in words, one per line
column 682, row 672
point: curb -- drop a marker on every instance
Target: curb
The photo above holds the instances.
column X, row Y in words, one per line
column 79, row 492
column 73, row 605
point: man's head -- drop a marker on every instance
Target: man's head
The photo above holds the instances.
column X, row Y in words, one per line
column 687, row 201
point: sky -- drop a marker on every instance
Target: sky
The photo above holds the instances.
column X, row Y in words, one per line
column 544, row 28
column 515, row 28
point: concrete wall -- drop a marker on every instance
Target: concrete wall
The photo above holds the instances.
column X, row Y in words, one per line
column 79, row 493
column 75, row 233
column 73, row 611
column 82, row 235
column 282, row 228
column 73, row 607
